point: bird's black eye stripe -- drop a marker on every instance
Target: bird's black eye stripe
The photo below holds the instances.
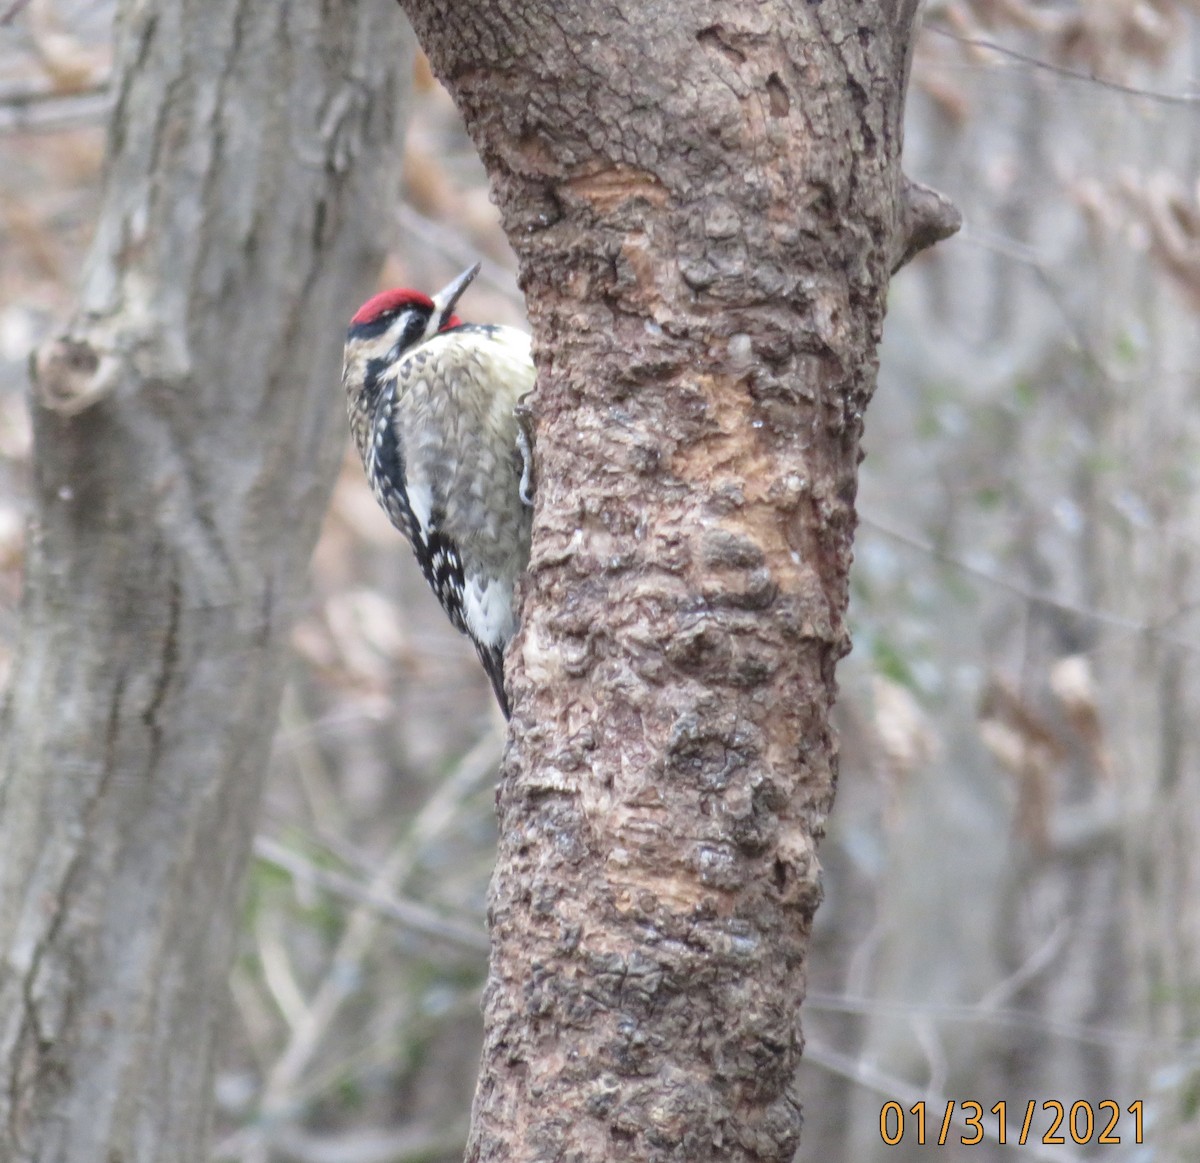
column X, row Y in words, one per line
column 415, row 322
column 371, row 329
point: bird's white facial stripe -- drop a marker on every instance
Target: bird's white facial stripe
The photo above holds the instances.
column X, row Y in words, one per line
column 488, row 610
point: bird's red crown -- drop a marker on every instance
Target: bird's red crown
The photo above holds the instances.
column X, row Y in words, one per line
column 387, row 302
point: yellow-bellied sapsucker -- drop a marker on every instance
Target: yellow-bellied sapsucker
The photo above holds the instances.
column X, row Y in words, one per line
column 434, row 411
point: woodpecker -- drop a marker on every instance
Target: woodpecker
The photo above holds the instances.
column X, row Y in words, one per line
column 435, row 413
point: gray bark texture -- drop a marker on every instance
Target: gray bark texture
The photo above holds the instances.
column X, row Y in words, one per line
column 187, row 426
column 706, row 202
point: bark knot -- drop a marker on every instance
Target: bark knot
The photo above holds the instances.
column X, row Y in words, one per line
column 69, row 375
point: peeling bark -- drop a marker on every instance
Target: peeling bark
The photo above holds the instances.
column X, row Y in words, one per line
column 706, row 201
column 187, row 428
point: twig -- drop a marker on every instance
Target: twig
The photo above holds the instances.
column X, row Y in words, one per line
column 892, row 1087
column 324, row 808
column 362, row 927
column 986, row 1014
column 1100, row 617
column 451, row 246
column 277, row 973
column 382, row 1051
column 1041, row 958
column 409, row 1145
column 1187, row 99
column 410, row 914
column 48, row 110
column 14, row 10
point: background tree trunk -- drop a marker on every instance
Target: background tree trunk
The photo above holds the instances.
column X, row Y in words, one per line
column 186, row 440
column 706, row 202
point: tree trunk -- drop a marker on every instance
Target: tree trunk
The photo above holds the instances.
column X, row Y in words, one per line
column 187, row 426
column 706, row 201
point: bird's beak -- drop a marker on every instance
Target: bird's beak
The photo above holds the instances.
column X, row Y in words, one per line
column 444, row 300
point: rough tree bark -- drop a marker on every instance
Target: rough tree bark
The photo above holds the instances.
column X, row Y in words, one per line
column 187, row 427
column 706, row 202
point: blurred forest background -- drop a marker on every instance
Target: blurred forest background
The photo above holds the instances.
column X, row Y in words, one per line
column 1012, row 871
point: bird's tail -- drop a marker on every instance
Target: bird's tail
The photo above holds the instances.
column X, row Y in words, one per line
column 492, row 658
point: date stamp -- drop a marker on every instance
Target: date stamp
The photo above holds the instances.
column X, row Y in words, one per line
column 965, row 1123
